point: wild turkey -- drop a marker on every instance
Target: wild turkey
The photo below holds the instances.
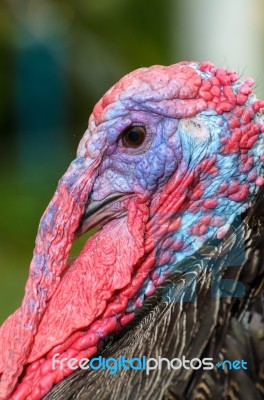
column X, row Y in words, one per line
column 169, row 169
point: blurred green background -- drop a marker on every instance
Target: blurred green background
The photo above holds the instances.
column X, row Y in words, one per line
column 57, row 58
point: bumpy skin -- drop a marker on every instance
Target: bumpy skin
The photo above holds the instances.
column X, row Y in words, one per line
column 198, row 168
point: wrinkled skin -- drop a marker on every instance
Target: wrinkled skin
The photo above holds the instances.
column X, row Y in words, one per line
column 197, row 168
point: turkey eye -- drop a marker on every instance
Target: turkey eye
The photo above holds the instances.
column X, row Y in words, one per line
column 134, row 136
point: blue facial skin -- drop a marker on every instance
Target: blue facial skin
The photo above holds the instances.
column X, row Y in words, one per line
column 139, row 170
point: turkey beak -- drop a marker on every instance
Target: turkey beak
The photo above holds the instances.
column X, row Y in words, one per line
column 98, row 213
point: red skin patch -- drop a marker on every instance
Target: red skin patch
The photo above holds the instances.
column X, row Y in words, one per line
column 83, row 297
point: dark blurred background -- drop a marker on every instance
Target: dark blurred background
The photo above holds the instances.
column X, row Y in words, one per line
column 57, row 58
